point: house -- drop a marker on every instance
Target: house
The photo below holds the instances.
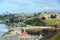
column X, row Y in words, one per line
column 47, row 15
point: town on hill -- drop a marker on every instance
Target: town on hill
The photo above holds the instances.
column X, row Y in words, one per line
column 36, row 26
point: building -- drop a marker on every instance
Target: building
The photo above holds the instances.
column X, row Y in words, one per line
column 47, row 15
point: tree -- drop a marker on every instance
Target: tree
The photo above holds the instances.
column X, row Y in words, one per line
column 43, row 18
column 11, row 20
column 33, row 22
column 45, row 12
column 16, row 21
column 21, row 20
column 35, row 15
column 53, row 16
column 39, row 13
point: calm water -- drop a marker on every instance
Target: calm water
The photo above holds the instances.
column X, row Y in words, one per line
column 3, row 29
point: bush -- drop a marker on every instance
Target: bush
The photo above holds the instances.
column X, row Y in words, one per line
column 33, row 22
column 53, row 16
column 31, row 32
column 43, row 18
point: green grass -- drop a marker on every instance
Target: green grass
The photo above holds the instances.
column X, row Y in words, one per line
column 52, row 22
column 6, row 17
column 57, row 37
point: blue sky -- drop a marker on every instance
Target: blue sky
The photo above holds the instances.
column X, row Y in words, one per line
column 29, row 6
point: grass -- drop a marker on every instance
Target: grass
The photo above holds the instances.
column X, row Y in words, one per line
column 6, row 17
column 52, row 22
column 57, row 37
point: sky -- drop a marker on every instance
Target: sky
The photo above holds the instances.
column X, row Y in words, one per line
column 29, row 6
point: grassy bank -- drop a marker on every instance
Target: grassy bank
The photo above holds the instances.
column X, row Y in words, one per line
column 57, row 37
column 52, row 22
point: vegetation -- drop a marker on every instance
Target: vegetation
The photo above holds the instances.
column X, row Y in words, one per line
column 33, row 22
column 12, row 21
column 21, row 20
column 35, row 15
column 53, row 16
column 43, row 18
column 39, row 13
column 57, row 37
column 6, row 17
column 45, row 12
column 33, row 32
column 38, row 31
column 52, row 22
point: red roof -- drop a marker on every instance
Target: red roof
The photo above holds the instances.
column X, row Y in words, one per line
column 24, row 33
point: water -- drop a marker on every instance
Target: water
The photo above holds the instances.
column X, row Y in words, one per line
column 3, row 29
